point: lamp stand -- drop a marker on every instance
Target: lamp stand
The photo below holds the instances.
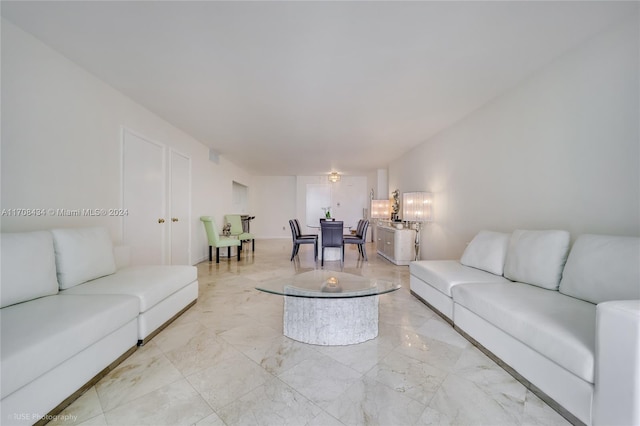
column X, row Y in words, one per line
column 417, row 225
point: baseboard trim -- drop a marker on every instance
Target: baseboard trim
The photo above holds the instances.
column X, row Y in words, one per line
column 77, row 394
column 533, row 388
column 166, row 324
column 69, row 400
column 430, row 306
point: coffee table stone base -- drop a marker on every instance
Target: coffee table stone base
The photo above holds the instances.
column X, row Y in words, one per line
column 331, row 321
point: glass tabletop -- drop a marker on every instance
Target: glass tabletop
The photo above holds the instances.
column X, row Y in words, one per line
column 328, row 284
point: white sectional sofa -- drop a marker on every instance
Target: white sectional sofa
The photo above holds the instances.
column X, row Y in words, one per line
column 570, row 332
column 68, row 315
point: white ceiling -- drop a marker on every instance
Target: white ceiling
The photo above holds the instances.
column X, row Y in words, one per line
column 304, row 88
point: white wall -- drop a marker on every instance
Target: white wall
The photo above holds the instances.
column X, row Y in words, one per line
column 61, row 144
column 348, row 197
column 277, row 199
column 561, row 150
column 274, row 203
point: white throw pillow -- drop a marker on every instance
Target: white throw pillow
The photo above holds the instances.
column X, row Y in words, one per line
column 82, row 254
column 487, row 251
column 602, row 268
column 537, row 257
column 28, row 267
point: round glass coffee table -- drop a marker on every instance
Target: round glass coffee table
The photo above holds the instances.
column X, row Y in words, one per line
column 324, row 307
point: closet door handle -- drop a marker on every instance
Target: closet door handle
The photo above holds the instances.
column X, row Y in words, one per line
column 161, row 220
column 174, row 219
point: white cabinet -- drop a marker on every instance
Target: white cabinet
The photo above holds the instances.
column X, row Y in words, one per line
column 396, row 245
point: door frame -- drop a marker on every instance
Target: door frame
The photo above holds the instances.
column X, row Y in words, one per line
column 170, row 171
column 123, row 132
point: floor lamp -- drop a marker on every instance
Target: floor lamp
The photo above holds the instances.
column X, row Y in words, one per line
column 380, row 210
column 416, row 209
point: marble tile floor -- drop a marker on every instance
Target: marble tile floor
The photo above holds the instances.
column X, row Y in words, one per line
column 226, row 362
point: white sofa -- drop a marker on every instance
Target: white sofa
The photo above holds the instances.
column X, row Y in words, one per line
column 570, row 332
column 68, row 315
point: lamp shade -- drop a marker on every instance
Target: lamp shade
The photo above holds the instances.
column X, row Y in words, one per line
column 417, row 206
column 380, row 209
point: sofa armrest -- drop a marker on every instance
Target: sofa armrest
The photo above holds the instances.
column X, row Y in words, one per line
column 617, row 375
column 122, row 256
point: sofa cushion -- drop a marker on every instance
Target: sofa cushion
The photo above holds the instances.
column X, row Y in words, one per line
column 39, row 335
column 557, row 326
column 602, row 268
column 487, row 251
column 82, row 254
column 537, row 257
column 150, row 284
column 444, row 274
column 28, row 267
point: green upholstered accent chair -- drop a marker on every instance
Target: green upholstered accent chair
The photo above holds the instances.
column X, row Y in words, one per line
column 216, row 240
column 238, row 231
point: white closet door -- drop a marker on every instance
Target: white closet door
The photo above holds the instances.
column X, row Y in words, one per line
column 180, row 196
column 144, row 177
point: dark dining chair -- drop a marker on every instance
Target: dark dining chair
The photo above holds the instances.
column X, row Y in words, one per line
column 299, row 231
column 331, row 236
column 358, row 226
column 360, row 238
column 300, row 239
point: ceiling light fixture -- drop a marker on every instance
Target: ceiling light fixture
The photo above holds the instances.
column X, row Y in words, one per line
column 334, row 177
